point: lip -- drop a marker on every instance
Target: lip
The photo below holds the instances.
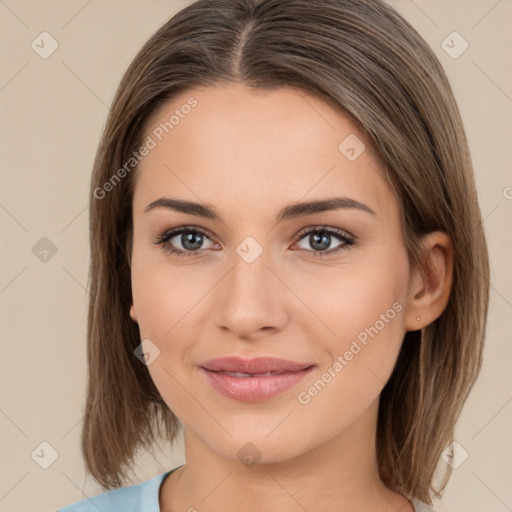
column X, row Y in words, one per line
column 284, row 375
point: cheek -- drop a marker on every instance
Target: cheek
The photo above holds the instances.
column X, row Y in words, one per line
column 164, row 293
column 164, row 304
column 161, row 310
column 354, row 296
column 364, row 306
column 368, row 322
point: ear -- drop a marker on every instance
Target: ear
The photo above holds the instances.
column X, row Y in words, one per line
column 133, row 315
column 431, row 285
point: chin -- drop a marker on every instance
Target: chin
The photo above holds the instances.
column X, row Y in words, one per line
column 251, row 448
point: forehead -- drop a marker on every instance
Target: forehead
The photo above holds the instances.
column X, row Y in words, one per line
column 236, row 143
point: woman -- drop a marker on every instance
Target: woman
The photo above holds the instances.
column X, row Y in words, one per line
column 287, row 261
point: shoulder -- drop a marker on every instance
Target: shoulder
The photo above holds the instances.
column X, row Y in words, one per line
column 141, row 497
column 419, row 506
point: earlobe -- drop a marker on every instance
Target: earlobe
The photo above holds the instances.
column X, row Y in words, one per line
column 132, row 313
column 431, row 291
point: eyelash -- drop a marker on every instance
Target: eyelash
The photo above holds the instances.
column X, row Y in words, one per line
column 348, row 240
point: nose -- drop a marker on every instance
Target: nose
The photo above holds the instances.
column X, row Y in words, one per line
column 252, row 300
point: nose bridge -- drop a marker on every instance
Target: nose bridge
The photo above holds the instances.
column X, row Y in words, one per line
column 250, row 298
column 250, row 276
column 250, row 257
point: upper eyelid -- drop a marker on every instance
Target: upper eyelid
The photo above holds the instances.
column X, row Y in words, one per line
column 329, row 229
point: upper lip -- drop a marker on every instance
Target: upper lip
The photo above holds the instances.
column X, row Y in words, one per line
column 262, row 364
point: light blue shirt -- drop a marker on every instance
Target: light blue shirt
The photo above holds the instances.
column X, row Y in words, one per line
column 143, row 497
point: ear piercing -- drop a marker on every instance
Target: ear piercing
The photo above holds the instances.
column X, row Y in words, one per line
column 418, row 318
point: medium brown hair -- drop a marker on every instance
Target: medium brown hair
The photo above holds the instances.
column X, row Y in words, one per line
column 363, row 57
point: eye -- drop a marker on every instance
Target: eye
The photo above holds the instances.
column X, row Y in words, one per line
column 320, row 238
column 190, row 238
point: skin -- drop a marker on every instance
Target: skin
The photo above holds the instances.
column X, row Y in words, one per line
column 249, row 154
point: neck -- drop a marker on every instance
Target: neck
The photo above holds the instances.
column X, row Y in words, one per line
column 340, row 475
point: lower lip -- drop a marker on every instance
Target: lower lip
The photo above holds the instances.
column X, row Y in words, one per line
column 254, row 389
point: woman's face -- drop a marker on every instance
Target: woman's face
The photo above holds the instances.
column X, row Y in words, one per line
column 263, row 279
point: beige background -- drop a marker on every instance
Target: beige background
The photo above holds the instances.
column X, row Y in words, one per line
column 52, row 112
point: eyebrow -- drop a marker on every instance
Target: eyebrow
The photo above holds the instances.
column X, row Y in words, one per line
column 289, row 212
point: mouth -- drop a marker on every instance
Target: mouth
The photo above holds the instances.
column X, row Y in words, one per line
column 255, row 366
column 253, row 380
column 240, row 374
